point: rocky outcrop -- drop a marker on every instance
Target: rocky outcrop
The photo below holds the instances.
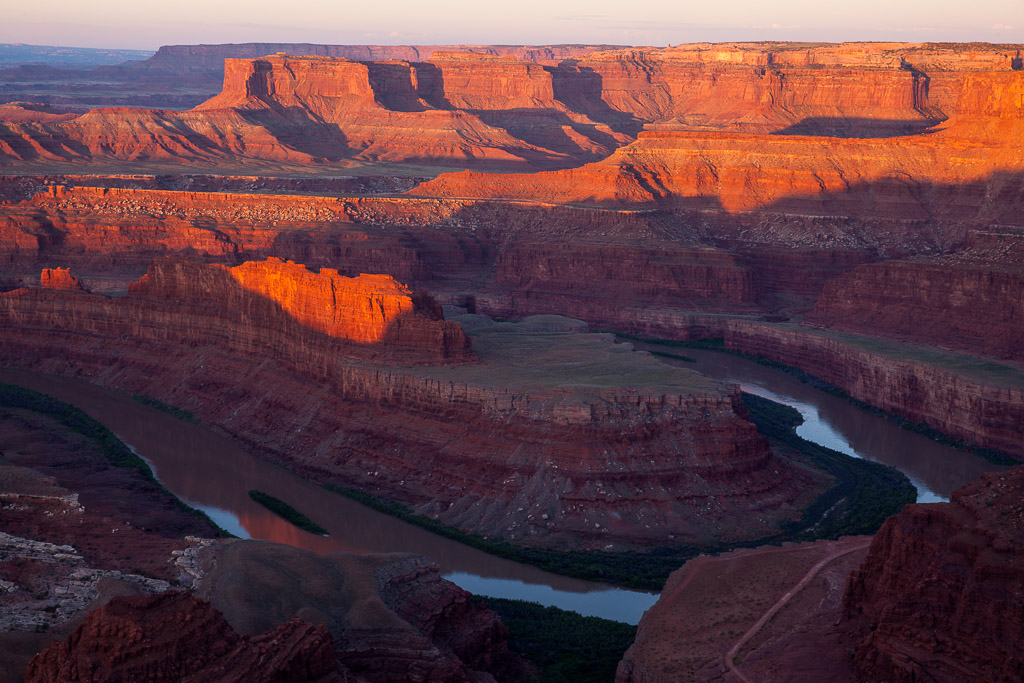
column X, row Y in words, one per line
column 58, row 278
column 368, row 315
column 368, row 310
column 174, row 636
column 513, row 112
column 969, row 299
column 766, row 613
column 502, row 448
column 906, row 178
column 392, row 617
column 940, row 592
column 207, row 61
column 975, row 400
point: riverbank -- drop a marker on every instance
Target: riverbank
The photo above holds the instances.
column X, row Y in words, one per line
column 863, row 495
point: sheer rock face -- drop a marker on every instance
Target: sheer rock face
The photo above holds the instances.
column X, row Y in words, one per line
column 512, row 111
column 621, row 466
column 951, row 393
column 367, row 310
column 969, row 299
column 174, row 636
column 941, row 592
column 374, row 312
column 885, row 131
column 58, row 278
column 911, row 178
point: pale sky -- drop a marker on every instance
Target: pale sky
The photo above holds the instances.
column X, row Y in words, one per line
column 144, row 24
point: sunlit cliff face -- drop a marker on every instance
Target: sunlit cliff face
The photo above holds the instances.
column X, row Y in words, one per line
column 360, row 309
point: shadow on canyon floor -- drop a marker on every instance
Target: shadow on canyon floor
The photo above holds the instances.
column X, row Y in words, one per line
column 859, row 127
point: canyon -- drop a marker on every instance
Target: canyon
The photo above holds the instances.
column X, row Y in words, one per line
column 544, row 433
column 922, row 598
column 419, row 272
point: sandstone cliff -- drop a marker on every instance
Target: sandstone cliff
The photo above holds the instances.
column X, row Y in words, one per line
column 368, row 310
column 969, row 299
column 549, row 441
column 392, row 617
column 971, row 399
column 174, row 636
column 478, row 109
column 58, row 278
column 941, row 589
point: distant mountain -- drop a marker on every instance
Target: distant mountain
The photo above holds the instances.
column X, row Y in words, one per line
column 15, row 54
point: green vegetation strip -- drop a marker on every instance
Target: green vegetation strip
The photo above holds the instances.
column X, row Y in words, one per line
column 863, row 495
column 115, row 450
column 675, row 356
column 172, row 410
column 564, row 646
column 287, row 512
column 718, row 344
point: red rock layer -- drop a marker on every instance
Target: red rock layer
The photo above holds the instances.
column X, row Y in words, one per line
column 368, row 309
column 653, row 258
column 393, row 618
column 710, row 147
column 969, row 299
column 58, row 278
column 491, row 111
column 112, row 229
column 935, row 176
column 24, row 112
column 209, row 59
column 635, row 271
column 621, row 467
column 942, row 588
column 984, row 410
column 174, row 636
column 373, row 311
column 978, row 401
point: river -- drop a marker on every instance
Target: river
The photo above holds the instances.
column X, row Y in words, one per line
column 210, row 472
column 935, row 470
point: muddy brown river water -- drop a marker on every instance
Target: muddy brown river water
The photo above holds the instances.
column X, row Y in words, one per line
column 208, row 471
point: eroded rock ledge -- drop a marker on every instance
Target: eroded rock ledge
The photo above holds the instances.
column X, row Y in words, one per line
column 942, row 588
column 556, row 438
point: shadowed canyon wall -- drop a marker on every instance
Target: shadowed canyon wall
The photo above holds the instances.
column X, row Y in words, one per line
column 939, row 592
column 550, row 464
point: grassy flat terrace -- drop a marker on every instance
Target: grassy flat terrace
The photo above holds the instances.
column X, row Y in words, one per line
column 982, row 370
column 544, row 353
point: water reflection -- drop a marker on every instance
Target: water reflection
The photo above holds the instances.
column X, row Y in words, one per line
column 936, row 470
column 211, row 472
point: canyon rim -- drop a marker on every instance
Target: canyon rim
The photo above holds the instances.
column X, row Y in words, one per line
column 458, row 284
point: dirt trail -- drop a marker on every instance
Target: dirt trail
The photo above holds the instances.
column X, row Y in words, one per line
column 730, row 656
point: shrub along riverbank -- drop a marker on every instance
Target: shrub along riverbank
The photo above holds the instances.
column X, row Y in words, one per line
column 564, row 646
column 73, row 419
column 718, row 344
column 287, row 512
column 863, row 495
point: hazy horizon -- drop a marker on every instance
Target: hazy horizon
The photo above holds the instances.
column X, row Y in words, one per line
column 118, row 24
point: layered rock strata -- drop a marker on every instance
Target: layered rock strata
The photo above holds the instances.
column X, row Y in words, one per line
column 969, row 299
column 392, row 617
column 596, row 459
column 976, row 400
column 174, row 636
column 482, row 110
column 941, row 588
column 58, row 278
